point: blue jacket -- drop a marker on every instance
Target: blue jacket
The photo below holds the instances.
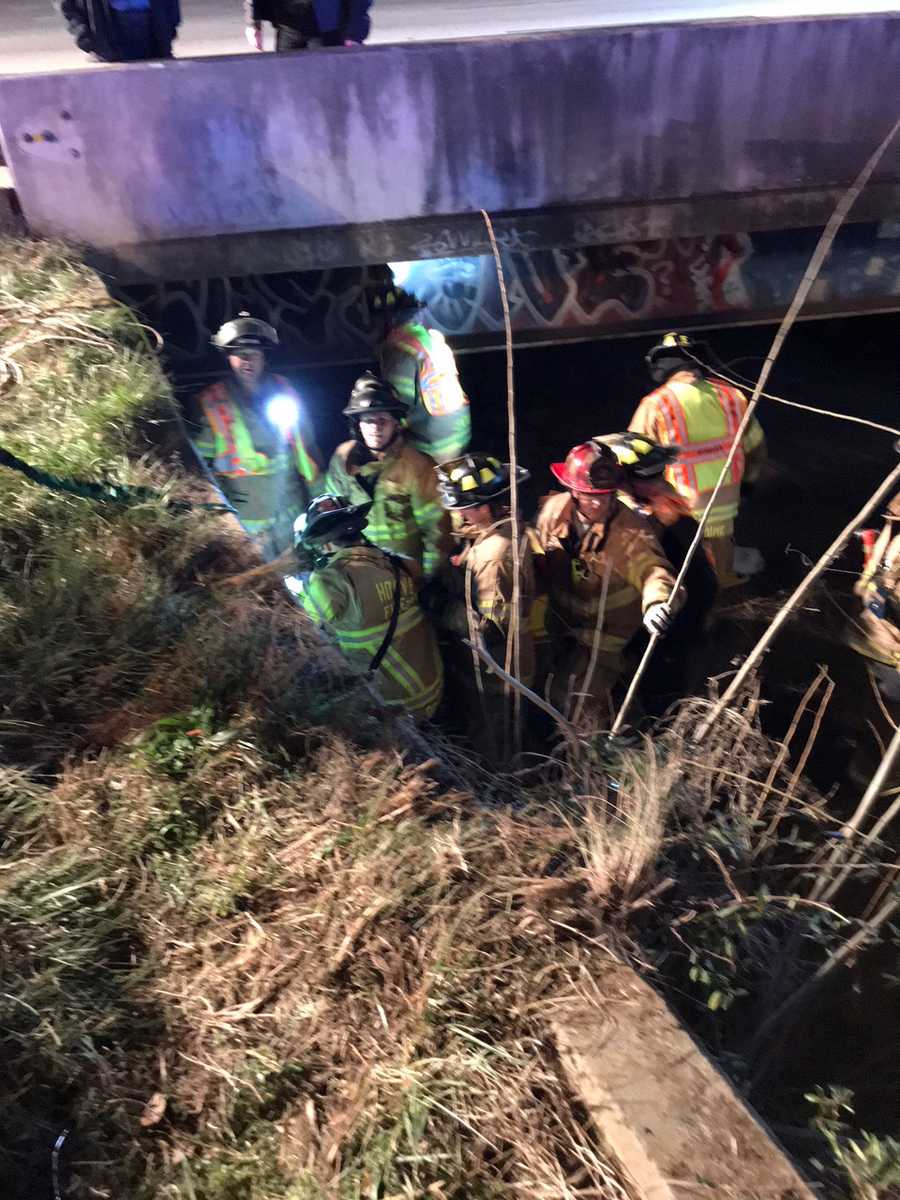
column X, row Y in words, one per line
column 93, row 25
column 350, row 17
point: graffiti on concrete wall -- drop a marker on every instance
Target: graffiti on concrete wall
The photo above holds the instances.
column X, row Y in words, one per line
column 324, row 316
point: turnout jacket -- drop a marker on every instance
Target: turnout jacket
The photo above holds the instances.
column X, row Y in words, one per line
column 487, row 559
column 353, row 596
column 406, row 517
column 640, row 574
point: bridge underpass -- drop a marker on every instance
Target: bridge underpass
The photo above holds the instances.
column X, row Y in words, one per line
column 595, row 387
column 636, row 176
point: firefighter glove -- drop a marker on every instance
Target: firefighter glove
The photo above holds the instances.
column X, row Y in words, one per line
column 658, row 619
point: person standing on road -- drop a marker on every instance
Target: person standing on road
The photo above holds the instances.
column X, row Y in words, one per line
column 300, row 22
column 367, row 600
column 591, row 542
column 700, row 415
column 377, row 464
column 252, row 437
column 418, row 362
column 123, row 30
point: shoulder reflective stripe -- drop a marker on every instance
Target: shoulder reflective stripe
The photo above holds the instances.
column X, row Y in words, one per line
column 676, row 435
column 734, row 407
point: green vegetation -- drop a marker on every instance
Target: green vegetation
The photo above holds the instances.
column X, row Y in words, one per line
column 264, row 941
column 246, row 954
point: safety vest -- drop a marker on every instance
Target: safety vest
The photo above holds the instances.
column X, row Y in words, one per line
column 353, row 595
column 267, row 490
column 702, row 418
column 233, row 451
column 420, row 365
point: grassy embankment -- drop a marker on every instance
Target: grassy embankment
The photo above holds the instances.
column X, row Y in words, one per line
column 260, row 939
column 251, row 949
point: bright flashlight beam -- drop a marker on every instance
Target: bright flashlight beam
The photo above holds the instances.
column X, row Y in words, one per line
column 283, row 412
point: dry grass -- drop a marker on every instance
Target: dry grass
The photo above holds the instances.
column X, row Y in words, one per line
column 266, row 941
column 261, row 940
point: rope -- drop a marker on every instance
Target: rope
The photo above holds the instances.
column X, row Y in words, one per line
column 810, row 275
column 741, row 381
column 513, row 649
column 108, row 493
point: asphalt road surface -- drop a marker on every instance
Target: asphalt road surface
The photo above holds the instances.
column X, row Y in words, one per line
column 34, row 37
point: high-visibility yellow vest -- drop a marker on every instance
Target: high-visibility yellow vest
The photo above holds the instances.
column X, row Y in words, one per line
column 232, row 450
column 420, row 365
column 702, row 418
column 353, row 595
column 268, row 491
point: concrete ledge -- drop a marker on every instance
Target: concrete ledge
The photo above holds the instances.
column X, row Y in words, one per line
column 662, row 1109
column 424, row 134
column 275, row 251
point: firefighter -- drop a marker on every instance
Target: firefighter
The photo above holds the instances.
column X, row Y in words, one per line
column 474, row 489
column 677, row 668
column 587, row 535
column 700, row 415
column 367, row 599
column 418, row 362
column 378, row 464
column 875, row 632
column 253, row 438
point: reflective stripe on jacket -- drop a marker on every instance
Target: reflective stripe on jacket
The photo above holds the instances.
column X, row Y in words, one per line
column 420, row 365
column 702, row 418
column 406, row 516
column 353, row 595
column 640, row 574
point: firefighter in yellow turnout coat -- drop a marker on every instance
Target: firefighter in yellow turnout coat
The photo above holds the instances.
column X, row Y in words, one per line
column 368, row 600
column 587, row 536
column 701, row 416
column 378, row 465
column 252, row 438
column 475, row 489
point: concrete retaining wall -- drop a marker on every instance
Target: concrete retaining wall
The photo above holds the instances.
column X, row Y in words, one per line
column 689, row 115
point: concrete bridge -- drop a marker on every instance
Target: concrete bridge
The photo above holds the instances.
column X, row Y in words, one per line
column 257, row 164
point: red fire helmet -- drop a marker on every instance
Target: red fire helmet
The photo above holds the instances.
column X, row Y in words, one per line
column 591, row 467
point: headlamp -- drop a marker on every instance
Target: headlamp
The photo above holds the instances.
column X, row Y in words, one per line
column 283, row 412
